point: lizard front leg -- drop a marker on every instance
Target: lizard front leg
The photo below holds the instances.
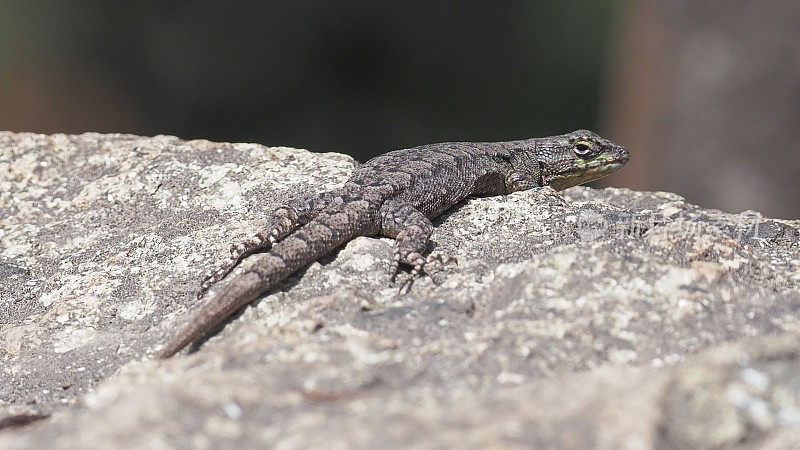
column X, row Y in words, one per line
column 287, row 218
column 411, row 231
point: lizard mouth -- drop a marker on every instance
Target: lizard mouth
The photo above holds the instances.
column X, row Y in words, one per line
column 580, row 175
column 605, row 168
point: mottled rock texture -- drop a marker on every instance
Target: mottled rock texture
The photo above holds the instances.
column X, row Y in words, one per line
column 586, row 318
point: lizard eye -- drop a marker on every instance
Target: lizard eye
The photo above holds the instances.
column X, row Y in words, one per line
column 583, row 148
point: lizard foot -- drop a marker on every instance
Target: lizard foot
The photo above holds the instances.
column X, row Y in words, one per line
column 433, row 265
column 286, row 221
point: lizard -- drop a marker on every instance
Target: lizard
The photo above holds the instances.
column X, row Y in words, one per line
column 396, row 195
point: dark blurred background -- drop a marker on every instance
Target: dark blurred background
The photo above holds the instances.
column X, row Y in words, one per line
column 705, row 94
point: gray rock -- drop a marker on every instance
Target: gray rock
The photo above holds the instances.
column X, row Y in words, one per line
column 586, row 318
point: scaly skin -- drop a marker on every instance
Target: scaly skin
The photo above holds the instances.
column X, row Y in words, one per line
column 396, row 195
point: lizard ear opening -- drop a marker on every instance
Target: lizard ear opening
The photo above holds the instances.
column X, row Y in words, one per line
column 525, row 161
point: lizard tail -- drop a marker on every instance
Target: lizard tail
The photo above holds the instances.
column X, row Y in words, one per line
column 333, row 227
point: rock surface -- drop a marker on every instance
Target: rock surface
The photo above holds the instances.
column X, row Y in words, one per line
column 606, row 319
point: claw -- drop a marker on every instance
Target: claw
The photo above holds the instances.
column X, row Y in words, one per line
column 394, row 267
column 405, row 285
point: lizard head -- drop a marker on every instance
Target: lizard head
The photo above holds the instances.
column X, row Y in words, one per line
column 578, row 157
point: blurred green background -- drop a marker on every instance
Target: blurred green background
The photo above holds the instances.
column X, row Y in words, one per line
column 364, row 77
